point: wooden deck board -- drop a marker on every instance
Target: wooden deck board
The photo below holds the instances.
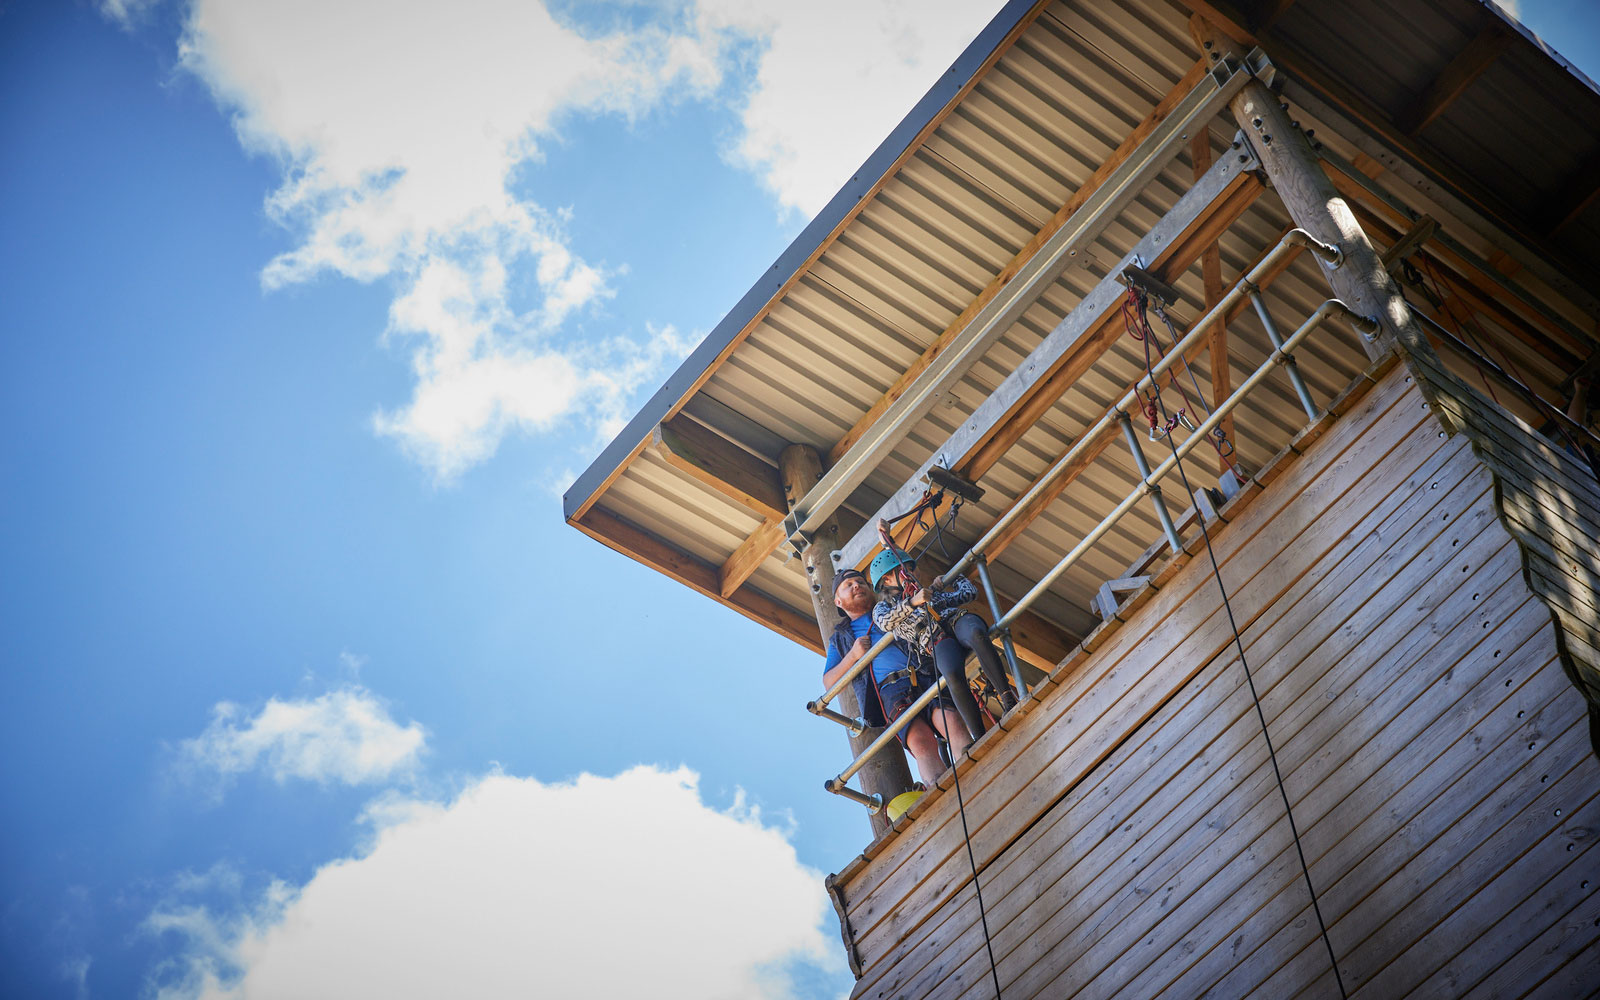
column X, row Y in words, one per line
column 1129, row 833
column 1027, row 778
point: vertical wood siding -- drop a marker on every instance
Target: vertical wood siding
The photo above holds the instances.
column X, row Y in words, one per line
column 1129, row 834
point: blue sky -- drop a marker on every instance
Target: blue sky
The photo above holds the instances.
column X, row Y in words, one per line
column 309, row 320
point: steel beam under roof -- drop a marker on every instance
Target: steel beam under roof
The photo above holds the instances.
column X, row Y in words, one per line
column 992, row 411
column 1197, row 108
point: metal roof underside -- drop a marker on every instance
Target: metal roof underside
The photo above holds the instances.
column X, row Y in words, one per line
column 895, row 258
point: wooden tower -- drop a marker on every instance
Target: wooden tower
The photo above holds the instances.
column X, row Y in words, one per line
column 1375, row 230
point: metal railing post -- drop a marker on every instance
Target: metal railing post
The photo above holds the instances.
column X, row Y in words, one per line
column 1143, row 466
column 1277, row 343
column 1005, row 633
column 837, row 787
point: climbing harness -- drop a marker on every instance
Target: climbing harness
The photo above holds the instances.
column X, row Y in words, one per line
column 1136, row 301
column 905, row 563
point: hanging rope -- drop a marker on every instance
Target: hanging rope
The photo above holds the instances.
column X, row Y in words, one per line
column 1238, row 642
column 983, row 916
column 929, row 504
column 1137, row 324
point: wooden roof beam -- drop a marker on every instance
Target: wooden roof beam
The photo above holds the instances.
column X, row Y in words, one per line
column 1027, row 253
column 1575, row 196
column 1457, row 75
column 1081, row 336
column 697, row 574
column 1339, row 107
column 765, row 540
column 1041, row 502
column 1170, row 262
column 704, row 455
column 1487, row 276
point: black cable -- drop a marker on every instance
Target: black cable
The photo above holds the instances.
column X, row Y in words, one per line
column 1238, row 643
column 983, row 916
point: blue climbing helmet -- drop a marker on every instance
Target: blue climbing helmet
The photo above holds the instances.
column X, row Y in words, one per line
column 886, row 561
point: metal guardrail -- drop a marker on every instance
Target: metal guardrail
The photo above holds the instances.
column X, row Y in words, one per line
column 1148, row 485
column 1209, row 96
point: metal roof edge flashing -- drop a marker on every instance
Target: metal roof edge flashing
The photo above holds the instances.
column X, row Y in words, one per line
column 943, row 91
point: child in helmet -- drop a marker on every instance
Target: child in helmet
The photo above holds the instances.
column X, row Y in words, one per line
column 897, row 676
column 931, row 618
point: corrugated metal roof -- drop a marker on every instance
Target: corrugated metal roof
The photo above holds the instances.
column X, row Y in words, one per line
column 804, row 365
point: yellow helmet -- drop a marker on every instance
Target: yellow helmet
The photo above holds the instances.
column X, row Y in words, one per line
column 901, row 803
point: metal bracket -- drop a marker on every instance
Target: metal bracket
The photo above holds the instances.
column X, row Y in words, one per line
column 1135, row 276
column 794, row 536
column 1105, row 601
column 1259, row 65
column 954, row 482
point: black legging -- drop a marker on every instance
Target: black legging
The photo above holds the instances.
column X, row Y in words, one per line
column 950, row 656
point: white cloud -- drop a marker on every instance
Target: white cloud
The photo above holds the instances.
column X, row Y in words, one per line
column 604, row 887
column 344, row 736
column 126, row 12
column 837, row 77
column 399, row 128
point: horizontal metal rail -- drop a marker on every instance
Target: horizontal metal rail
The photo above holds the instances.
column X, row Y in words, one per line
column 820, row 706
column 890, row 733
column 1500, row 375
column 1294, row 238
column 1196, row 437
column 1147, row 485
column 1121, row 186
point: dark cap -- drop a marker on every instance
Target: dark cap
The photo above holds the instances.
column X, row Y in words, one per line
column 845, row 575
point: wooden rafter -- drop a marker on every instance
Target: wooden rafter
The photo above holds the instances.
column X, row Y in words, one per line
column 765, row 540
column 1453, row 81
column 1230, row 21
column 1040, row 503
column 1027, row 253
column 701, row 453
column 1210, row 207
column 1474, row 272
column 697, row 574
column 1177, row 258
column 1460, row 279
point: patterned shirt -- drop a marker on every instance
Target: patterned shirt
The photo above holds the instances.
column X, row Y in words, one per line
column 915, row 625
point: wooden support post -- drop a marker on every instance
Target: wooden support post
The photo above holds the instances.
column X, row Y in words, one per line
column 886, row 774
column 1211, row 277
column 1318, row 208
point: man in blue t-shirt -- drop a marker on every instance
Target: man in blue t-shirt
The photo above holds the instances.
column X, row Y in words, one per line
column 898, row 677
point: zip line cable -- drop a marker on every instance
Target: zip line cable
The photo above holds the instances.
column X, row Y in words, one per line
column 1238, row 642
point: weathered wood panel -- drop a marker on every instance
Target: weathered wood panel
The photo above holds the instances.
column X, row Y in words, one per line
column 1129, row 832
column 1550, row 503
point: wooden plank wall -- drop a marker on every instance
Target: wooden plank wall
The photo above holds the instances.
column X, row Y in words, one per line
column 1550, row 503
column 1129, row 833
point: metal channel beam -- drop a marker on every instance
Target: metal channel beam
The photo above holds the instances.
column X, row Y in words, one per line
column 1059, row 342
column 1197, row 108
